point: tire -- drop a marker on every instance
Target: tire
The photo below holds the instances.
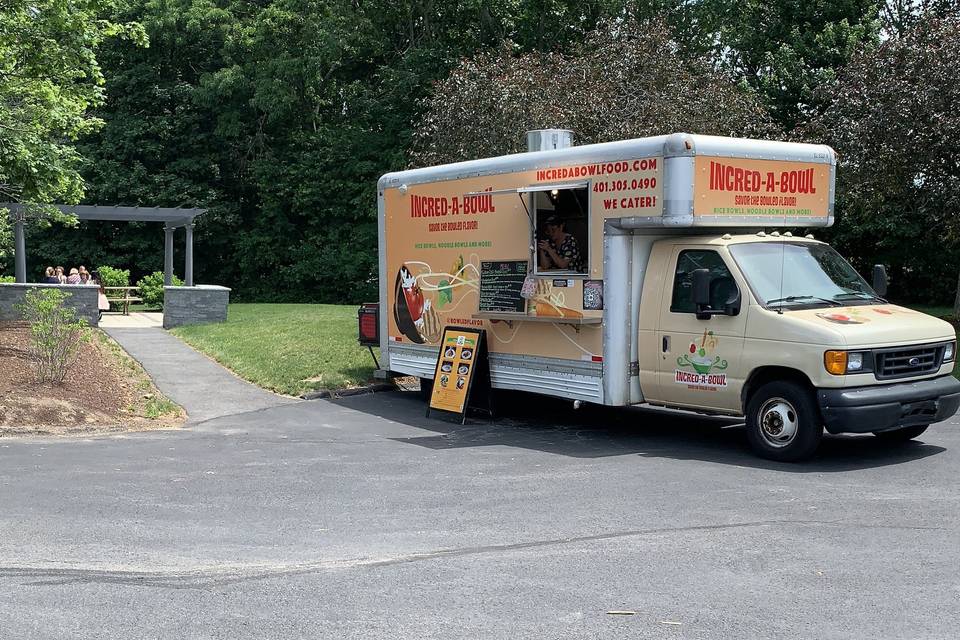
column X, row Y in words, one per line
column 783, row 421
column 902, row 434
column 426, row 388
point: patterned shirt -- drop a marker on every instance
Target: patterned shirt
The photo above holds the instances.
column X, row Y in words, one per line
column 570, row 250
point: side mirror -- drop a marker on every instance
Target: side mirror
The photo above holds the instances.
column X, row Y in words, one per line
column 701, row 287
column 732, row 306
column 880, row 279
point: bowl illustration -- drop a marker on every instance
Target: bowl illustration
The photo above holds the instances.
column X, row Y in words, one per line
column 444, row 380
column 462, row 369
column 841, row 318
column 450, row 352
column 466, row 354
column 446, row 367
column 408, row 309
column 702, row 364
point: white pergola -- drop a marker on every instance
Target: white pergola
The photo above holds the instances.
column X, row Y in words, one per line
column 171, row 217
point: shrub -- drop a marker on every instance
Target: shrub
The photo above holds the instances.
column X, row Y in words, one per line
column 55, row 333
column 8, row 279
column 110, row 277
column 151, row 288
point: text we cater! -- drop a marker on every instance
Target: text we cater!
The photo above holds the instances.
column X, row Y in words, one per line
column 660, row 271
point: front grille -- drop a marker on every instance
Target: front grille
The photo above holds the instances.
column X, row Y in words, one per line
column 903, row 362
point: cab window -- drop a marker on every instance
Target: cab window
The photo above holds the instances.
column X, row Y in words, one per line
column 722, row 284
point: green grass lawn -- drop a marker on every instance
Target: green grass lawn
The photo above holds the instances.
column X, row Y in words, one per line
column 293, row 348
column 288, row 348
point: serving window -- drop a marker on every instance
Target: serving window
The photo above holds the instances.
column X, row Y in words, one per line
column 561, row 226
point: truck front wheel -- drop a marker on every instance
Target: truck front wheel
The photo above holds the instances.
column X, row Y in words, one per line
column 783, row 422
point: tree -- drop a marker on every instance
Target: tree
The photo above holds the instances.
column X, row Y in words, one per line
column 279, row 116
column 899, row 16
column 49, row 80
column 894, row 118
column 788, row 49
column 628, row 79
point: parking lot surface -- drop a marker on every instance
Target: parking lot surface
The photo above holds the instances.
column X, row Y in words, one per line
column 361, row 518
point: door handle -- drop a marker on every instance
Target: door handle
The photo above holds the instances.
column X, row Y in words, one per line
column 665, row 347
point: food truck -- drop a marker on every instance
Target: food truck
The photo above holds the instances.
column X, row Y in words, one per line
column 679, row 271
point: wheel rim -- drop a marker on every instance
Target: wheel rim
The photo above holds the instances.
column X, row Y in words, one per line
column 778, row 422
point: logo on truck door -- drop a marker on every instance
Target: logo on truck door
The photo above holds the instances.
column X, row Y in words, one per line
column 700, row 367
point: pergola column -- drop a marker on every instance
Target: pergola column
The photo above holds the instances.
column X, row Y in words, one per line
column 167, row 256
column 19, row 250
column 188, row 260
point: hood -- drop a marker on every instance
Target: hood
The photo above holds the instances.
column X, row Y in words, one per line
column 877, row 325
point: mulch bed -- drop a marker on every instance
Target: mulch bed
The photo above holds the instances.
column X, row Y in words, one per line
column 105, row 391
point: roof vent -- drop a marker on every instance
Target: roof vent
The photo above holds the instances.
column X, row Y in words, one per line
column 549, row 139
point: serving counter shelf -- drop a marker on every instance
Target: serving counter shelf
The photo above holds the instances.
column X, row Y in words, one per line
column 510, row 318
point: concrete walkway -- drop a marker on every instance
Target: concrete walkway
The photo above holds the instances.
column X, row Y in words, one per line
column 195, row 382
column 136, row 319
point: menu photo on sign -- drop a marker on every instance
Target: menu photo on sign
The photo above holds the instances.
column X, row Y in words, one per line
column 461, row 363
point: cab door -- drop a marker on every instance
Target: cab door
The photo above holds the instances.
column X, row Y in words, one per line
column 700, row 360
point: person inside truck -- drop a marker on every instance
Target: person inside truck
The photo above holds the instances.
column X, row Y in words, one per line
column 560, row 249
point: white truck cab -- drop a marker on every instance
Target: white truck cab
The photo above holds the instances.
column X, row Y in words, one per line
column 785, row 332
column 672, row 271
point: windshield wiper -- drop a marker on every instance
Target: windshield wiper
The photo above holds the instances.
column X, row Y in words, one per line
column 832, row 303
column 860, row 295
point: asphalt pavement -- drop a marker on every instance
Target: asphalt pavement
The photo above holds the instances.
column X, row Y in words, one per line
column 361, row 518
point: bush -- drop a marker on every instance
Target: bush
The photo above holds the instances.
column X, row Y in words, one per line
column 8, row 279
column 110, row 277
column 151, row 288
column 55, row 333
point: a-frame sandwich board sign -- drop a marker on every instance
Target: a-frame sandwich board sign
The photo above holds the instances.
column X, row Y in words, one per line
column 461, row 379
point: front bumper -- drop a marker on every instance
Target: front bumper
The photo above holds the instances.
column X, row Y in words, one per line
column 889, row 406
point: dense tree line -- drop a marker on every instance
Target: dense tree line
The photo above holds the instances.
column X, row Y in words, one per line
column 279, row 115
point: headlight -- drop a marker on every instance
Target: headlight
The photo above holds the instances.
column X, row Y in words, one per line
column 854, row 362
column 949, row 351
column 841, row 362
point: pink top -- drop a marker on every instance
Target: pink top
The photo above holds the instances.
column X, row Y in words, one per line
column 74, row 279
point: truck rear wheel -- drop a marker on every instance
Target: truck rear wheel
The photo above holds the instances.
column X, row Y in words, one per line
column 901, row 435
column 783, row 422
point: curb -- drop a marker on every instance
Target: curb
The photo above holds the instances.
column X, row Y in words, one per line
column 327, row 394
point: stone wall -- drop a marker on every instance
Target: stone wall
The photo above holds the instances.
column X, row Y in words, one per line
column 202, row 304
column 82, row 297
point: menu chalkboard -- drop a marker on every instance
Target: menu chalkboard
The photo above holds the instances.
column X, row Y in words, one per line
column 500, row 285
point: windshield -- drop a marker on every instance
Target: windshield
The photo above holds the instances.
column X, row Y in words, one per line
column 784, row 273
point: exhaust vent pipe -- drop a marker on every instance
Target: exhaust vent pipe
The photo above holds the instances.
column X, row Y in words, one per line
column 549, row 139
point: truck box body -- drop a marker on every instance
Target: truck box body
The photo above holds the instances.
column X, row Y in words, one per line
column 579, row 334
